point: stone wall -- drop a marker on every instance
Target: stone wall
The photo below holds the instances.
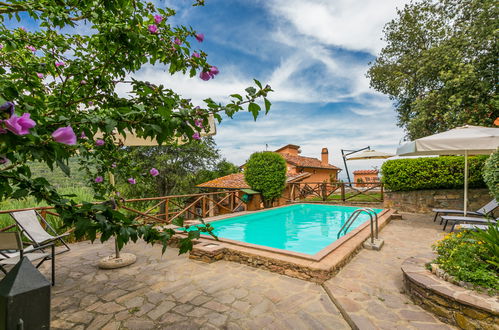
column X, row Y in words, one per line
column 453, row 304
column 423, row 201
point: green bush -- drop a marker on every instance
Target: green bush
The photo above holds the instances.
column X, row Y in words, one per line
column 467, row 257
column 445, row 172
column 491, row 174
column 266, row 172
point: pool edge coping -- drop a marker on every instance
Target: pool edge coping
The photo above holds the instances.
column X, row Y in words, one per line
column 314, row 258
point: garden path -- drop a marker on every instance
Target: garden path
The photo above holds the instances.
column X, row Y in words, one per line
column 370, row 287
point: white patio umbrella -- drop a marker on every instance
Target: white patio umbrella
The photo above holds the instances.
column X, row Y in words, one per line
column 370, row 154
column 466, row 140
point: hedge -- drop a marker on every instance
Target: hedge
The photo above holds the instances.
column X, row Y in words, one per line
column 445, row 172
column 491, row 174
column 266, row 172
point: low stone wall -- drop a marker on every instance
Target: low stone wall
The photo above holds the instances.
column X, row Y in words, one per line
column 423, row 201
column 453, row 304
column 214, row 253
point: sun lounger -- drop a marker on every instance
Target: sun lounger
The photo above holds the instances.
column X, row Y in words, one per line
column 12, row 251
column 469, row 226
column 457, row 220
column 28, row 222
column 483, row 211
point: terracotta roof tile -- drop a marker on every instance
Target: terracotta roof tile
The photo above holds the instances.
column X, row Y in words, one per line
column 302, row 161
column 231, row 181
column 236, row 181
column 366, row 172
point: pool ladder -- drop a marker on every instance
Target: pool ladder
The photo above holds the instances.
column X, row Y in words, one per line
column 373, row 216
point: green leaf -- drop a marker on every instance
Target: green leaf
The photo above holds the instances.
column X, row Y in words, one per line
column 267, row 105
column 20, row 193
column 64, row 167
column 254, row 109
column 178, row 222
column 251, row 90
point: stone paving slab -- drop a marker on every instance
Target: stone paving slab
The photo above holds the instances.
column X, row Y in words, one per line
column 370, row 287
column 174, row 292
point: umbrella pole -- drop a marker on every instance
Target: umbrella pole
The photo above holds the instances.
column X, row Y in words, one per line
column 465, row 182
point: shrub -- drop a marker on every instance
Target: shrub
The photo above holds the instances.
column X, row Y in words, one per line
column 467, row 257
column 491, row 174
column 445, row 172
column 266, row 172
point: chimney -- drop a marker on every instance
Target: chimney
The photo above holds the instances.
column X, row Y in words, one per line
column 324, row 156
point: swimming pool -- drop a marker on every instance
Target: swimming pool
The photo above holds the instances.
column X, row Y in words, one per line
column 302, row 228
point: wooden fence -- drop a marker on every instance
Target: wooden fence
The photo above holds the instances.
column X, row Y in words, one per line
column 336, row 191
column 168, row 208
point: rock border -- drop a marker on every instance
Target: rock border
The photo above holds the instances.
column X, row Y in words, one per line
column 452, row 304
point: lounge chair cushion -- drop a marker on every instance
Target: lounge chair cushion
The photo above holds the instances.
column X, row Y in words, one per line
column 28, row 220
column 467, row 219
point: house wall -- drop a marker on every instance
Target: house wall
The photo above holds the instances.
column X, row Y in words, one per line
column 364, row 176
column 320, row 175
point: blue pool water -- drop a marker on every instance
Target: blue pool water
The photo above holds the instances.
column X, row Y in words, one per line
column 304, row 228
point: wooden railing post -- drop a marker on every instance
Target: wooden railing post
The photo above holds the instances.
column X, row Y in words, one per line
column 204, row 207
column 343, row 191
column 167, row 209
column 382, row 191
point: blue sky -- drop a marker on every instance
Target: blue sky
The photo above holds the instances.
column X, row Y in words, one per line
column 313, row 53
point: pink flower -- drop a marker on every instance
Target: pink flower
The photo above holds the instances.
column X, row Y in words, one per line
column 198, row 123
column 158, row 19
column 58, row 64
column 200, row 37
column 3, row 160
column 132, row 181
column 113, row 165
column 196, row 136
column 99, row 179
column 1, row 46
column 177, row 41
column 153, row 172
column 90, row 103
column 3, row 130
column 19, row 125
column 213, row 71
column 205, row 75
column 83, row 82
column 65, row 135
column 83, row 135
column 152, row 28
column 99, row 142
column 33, row 49
column 196, row 54
column 39, row 75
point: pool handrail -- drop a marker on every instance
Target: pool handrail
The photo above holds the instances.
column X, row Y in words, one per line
column 354, row 217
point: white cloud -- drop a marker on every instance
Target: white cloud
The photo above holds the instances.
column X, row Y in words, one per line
column 354, row 25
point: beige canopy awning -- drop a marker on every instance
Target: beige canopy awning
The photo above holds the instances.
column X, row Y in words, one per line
column 131, row 140
column 370, row 154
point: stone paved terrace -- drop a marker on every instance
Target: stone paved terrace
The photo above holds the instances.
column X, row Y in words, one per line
column 370, row 287
column 174, row 292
